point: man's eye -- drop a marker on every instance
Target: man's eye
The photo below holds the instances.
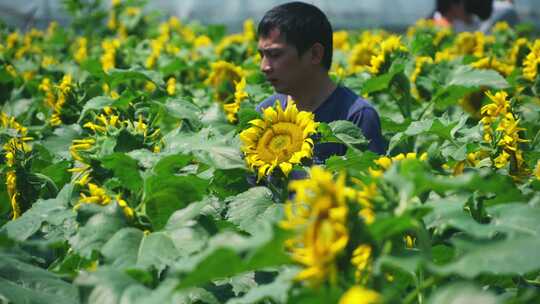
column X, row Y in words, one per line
column 274, row 54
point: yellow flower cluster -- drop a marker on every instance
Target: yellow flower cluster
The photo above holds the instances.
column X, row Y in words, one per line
column 361, row 260
column 384, row 162
column 498, row 115
column 171, row 86
column 15, row 145
column 531, row 62
column 98, row 195
column 379, row 62
column 493, row 63
column 468, row 43
column 222, row 78
column 360, row 55
column 341, row 40
column 420, row 63
column 318, row 214
column 231, row 109
column 157, row 45
column 81, row 52
column 281, row 139
column 103, row 124
column 248, row 35
column 56, row 96
column 108, row 58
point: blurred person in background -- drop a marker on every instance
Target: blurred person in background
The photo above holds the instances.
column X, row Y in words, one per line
column 503, row 10
column 462, row 15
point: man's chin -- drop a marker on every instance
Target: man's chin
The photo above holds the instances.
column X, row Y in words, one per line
column 280, row 89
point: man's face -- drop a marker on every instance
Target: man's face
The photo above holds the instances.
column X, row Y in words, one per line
column 281, row 64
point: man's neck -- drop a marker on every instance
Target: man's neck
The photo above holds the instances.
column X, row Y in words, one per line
column 313, row 93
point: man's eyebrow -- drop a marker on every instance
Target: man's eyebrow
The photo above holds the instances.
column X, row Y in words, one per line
column 270, row 49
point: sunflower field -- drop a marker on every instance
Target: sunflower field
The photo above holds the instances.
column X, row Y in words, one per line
column 135, row 169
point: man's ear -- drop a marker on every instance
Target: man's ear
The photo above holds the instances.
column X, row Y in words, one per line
column 317, row 53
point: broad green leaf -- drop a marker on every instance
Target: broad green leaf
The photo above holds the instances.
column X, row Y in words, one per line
column 223, row 257
column 96, row 103
column 249, row 208
column 165, row 192
column 126, row 169
column 181, row 109
column 462, row 293
column 157, row 250
column 122, row 249
column 354, row 162
column 95, row 233
column 108, row 285
column 117, row 76
column 494, row 257
column 466, row 76
column 347, row 132
column 53, row 211
column 59, row 143
column 22, row 282
column 277, row 291
column 217, row 150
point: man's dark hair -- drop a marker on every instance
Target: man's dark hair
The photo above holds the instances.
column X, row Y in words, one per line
column 302, row 25
column 480, row 8
column 444, row 6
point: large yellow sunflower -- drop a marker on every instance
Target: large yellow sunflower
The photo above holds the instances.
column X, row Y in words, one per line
column 281, row 139
column 318, row 213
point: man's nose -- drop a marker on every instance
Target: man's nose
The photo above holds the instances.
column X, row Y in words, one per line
column 266, row 67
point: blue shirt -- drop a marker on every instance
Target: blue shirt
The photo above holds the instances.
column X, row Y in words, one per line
column 342, row 104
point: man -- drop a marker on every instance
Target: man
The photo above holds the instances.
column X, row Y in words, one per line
column 295, row 43
column 504, row 10
column 462, row 15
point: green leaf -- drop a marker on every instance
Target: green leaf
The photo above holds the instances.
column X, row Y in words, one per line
column 249, row 208
column 228, row 255
column 96, row 103
column 278, row 290
column 122, row 249
column 182, row 109
column 165, row 192
column 21, row 282
column 493, row 257
column 117, row 76
column 431, row 126
column 468, row 77
column 354, row 162
column 126, row 169
column 95, row 233
column 59, row 143
column 58, row 173
column 347, row 132
column 462, row 293
column 54, row 211
column 216, row 150
column 451, row 95
column 384, row 228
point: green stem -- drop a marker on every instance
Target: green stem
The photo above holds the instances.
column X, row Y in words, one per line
column 415, row 293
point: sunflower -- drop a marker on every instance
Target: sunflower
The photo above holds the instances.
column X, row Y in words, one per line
column 380, row 62
column 222, row 78
column 318, row 213
column 281, row 139
column 531, row 62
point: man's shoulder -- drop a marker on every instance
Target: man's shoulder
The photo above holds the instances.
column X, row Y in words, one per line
column 271, row 101
column 356, row 103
